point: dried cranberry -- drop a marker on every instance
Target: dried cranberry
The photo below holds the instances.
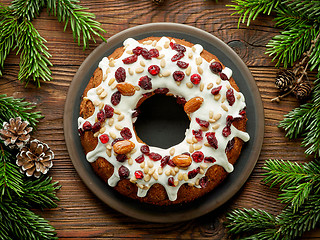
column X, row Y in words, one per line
column 230, row 96
column 155, row 156
column 171, row 181
column 101, row 116
column 137, row 50
column 216, row 90
column 202, row 123
column 121, row 157
column 177, row 47
column 182, row 64
column 177, row 56
column 96, row 127
column 120, row 74
column 215, row 67
column 230, row 145
column 181, row 100
column 126, row 133
column 178, row 76
column 136, row 113
column 203, row 182
column 193, row 173
column 197, row 156
column 186, row 153
column 195, row 78
column 104, row 138
column 87, row 126
column 154, row 52
column 171, row 163
column 145, row 54
column 116, row 98
column 164, row 161
column 154, row 70
column 212, row 140
column 229, row 120
column 123, row 172
column 226, row 131
column 209, row 160
column 161, row 91
column 145, row 83
column 145, row 149
column 138, row 174
column 197, row 134
column 140, row 159
column 116, row 140
column 223, row 76
column 80, row 131
column 130, row 59
column 242, row 112
column 108, row 111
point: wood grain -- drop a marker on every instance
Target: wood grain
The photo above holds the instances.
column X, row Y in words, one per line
column 80, row 215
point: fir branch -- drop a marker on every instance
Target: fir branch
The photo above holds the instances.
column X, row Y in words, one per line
column 9, row 26
column 41, row 193
column 16, row 107
column 289, row 46
column 250, row 9
column 314, row 58
column 27, row 9
column 10, row 178
column 34, row 58
column 304, row 121
column 310, row 9
column 82, row 23
column 242, row 220
column 21, row 223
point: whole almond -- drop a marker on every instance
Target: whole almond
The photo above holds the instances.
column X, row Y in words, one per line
column 123, row 147
column 182, row 160
column 193, row 104
column 126, row 89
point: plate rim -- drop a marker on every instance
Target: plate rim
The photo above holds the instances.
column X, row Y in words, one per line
column 70, row 101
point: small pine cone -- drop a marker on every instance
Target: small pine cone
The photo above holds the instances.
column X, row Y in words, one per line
column 158, row 1
column 35, row 158
column 303, row 90
column 15, row 134
column 284, row 80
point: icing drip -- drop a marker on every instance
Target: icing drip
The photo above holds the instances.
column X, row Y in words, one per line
column 214, row 109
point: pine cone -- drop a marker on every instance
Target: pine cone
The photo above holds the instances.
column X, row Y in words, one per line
column 284, row 80
column 15, row 134
column 158, row 1
column 303, row 90
column 35, row 158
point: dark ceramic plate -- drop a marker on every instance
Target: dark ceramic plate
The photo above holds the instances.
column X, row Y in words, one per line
column 243, row 167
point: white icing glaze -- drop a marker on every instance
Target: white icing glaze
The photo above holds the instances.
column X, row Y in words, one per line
column 128, row 104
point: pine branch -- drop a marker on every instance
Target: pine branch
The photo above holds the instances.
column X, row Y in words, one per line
column 27, row 9
column 242, row 220
column 21, row 223
column 41, row 193
column 10, row 178
column 304, row 121
column 82, row 23
column 310, row 9
column 289, row 46
column 250, row 9
column 34, row 58
column 9, row 26
column 14, row 107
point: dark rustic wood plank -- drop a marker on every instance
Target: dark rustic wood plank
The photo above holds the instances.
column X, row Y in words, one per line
column 80, row 215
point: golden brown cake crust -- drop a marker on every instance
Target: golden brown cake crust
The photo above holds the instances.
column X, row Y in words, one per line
column 156, row 194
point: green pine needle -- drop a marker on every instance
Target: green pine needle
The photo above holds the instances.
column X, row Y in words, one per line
column 21, row 223
column 34, row 58
column 14, row 107
column 27, row 9
column 9, row 27
column 82, row 23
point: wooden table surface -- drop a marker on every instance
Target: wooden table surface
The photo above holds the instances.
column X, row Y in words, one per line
column 80, row 214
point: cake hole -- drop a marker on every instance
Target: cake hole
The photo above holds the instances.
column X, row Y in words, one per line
column 162, row 122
